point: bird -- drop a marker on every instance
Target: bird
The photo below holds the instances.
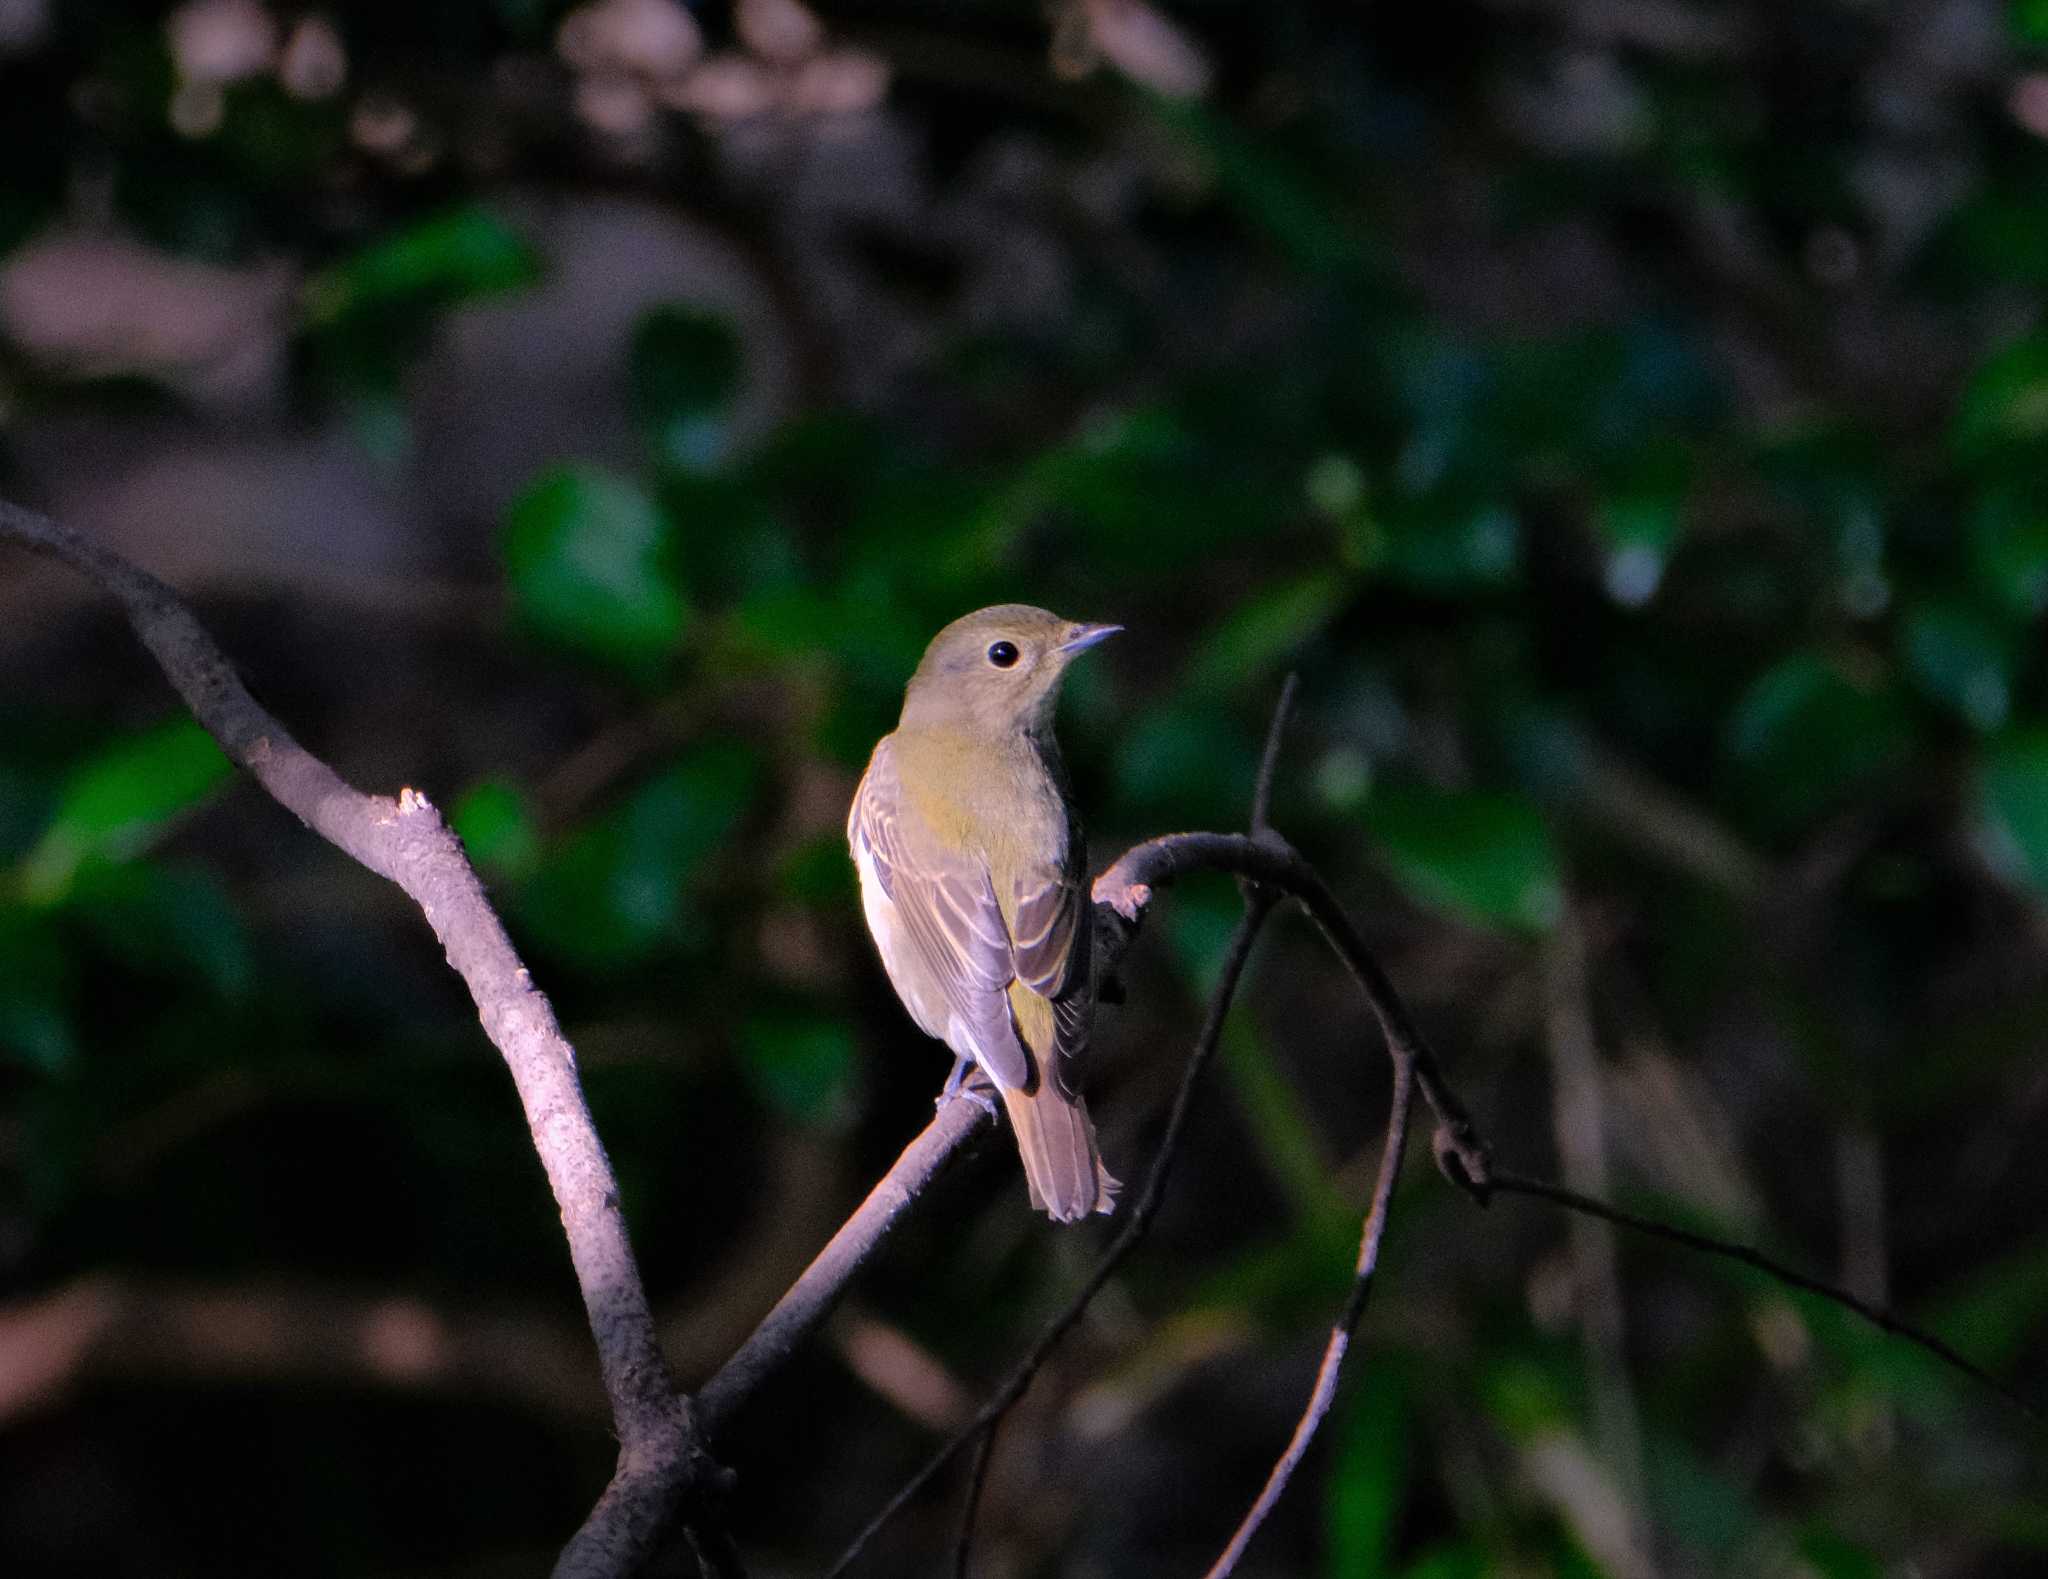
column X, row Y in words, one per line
column 972, row 866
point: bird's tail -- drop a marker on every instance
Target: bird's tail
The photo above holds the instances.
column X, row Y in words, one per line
column 1056, row 1139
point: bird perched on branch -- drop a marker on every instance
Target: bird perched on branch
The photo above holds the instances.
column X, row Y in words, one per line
column 972, row 874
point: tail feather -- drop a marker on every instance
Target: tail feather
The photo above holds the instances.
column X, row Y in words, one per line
column 1056, row 1139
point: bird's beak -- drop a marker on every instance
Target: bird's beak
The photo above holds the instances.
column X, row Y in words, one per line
column 1086, row 636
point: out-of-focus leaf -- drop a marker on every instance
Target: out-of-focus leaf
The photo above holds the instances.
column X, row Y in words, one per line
column 1259, row 634
column 1457, row 1560
column 2012, row 791
column 2029, row 21
column 1144, row 489
column 1452, row 546
column 1998, row 1310
column 1699, row 1504
column 169, row 920
column 2009, row 548
column 2005, row 405
column 615, row 891
column 1961, row 658
column 35, row 983
column 1808, row 735
column 1368, row 1477
column 592, row 566
column 1200, row 923
column 450, row 258
column 1186, row 759
column 1485, row 858
column 1638, row 525
column 1526, row 1394
column 497, row 828
column 820, row 872
column 731, row 543
column 685, row 370
column 802, row 1064
column 1832, row 1555
column 25, row 805
column 1303, row 220
column 118, row 804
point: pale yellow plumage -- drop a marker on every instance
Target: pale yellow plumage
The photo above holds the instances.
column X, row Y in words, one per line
column 971, row 868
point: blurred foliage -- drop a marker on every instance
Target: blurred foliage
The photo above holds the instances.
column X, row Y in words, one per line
column 1629, row 421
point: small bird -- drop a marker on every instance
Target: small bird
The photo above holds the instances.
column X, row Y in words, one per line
column 971, row 874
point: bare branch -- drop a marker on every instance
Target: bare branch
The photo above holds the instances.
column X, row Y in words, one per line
column 1877, row 1315
column 977, row 1480
column 660, row 1460
column 813, row 1295
column 1257, row 907
column 1123, row 892
column 1269, row 761
column 1331, row 1369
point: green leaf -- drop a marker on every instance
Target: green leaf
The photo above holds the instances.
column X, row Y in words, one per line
column 1829, row 1555
column 802, row 1064
column 2009, row 548
column 453, row 257
column 497, row 827
column 2005, row 404
column 1368, row 1478
column 1185, row 760
column 1526, row 1395
column 1262, row 632
column 1482, row 857
column 614, row 892
column 591, row 561
column 1998, row 1308
column 176, row 921
column 117, row 805
column 1962, row 659
column 819, row 872
column 1639, row 529
column 1808, row 735
column 2012, row 791
column 35, row 988
column 685, row 370
column 1457, row 1560
column 1452, row 547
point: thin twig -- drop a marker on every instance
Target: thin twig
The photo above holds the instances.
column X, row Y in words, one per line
column 977, row 1481
column 1877, row 1315
column 1125, row 890
column 1257, row 908
column 661, row 1459
column 1332, row 1366
column 1269, row 760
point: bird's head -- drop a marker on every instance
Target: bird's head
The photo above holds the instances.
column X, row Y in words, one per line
column 997, row 669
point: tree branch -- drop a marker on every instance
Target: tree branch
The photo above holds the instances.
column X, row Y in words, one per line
column 1257, row 907
column 1324, row 1392
column 661, row 1461
column 1126, row 890
column 664, row 1471
column 813, row 1295
column 1877, row 1315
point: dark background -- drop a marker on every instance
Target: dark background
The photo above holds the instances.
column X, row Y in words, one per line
column 1628, row 416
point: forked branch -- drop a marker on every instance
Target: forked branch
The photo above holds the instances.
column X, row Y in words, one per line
column 662, row 1466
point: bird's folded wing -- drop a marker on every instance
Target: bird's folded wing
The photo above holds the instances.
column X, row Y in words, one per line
column 1050, row 929
column 949, row 916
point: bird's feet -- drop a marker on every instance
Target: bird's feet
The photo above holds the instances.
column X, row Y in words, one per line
column 976, row 1089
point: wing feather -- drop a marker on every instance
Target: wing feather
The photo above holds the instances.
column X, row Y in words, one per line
column 954, row 966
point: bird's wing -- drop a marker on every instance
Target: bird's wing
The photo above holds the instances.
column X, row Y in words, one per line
column 950, row 922
column 1050, row 931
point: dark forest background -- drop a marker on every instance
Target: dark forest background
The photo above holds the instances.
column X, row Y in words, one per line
column 1628, row 416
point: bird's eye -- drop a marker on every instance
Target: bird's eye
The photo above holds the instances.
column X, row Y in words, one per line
column 1002, row 653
